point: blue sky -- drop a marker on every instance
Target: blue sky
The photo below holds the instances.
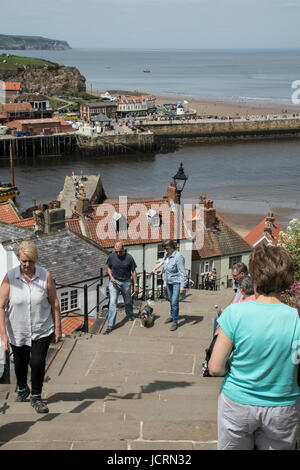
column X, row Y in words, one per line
column 157, row 24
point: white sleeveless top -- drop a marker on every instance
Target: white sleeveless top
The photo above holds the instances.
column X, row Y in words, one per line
column 28, row 312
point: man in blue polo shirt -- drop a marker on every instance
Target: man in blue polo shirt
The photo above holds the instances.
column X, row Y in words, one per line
column 121, row 266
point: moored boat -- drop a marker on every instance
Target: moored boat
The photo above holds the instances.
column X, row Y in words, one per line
column 7, row 191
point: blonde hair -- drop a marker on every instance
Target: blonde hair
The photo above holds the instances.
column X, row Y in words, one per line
column 29, row 249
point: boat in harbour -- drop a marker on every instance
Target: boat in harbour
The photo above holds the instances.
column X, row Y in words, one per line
column 8, row 191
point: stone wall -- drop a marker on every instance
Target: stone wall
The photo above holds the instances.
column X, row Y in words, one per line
column 208, row 130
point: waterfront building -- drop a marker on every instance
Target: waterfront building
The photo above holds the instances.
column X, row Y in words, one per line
column 8, row 90
column 45, row 126
column 14, row 111
column 266, row 232
column 36, row 100
column 89, row 110
column 136, row 105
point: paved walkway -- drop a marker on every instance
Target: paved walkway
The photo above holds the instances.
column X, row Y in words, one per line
column 137, row 388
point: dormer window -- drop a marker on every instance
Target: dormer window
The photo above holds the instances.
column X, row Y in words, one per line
column 119, row 222
column 154, row 218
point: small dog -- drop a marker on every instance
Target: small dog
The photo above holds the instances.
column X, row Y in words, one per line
column 146, row 315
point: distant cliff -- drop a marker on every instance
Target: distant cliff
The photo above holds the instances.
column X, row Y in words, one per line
column 8, row 42
column 41, row 76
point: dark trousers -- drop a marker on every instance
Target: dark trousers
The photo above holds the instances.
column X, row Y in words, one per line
column 35, row 356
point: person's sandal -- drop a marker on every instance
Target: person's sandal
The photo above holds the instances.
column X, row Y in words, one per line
column 39, row 405
column 23, row 394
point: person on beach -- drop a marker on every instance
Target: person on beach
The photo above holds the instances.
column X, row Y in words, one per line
column 174, row 275
column 29, row 319
column 121, row 266
column 246, row 288
column 257, row 406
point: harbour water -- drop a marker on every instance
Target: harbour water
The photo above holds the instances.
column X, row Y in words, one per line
column 251, row 177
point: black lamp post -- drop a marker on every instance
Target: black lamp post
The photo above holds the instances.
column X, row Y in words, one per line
column 179, row 180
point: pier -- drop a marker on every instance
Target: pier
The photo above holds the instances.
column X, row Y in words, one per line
column 153, row 135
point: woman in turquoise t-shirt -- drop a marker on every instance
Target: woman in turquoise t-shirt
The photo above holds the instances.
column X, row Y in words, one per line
column 257, row 403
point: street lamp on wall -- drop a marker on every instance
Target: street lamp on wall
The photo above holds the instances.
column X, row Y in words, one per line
column 179, row 180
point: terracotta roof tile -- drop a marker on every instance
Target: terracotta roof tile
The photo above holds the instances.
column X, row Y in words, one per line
column 102, row 231
column 259, row 235
column 74, row 321
column 25, row 222
column 8, row 213
column 11, row 86
column 15, row 107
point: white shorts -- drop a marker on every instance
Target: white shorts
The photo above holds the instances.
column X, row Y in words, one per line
column 247, row 427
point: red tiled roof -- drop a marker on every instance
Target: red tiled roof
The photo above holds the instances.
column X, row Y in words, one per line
column 73, row 321
column 15, row 107
column 8, row 213
column 11, row 86
column 259, row 235
column 29, row 223
column 220, row 240
column 102, row 231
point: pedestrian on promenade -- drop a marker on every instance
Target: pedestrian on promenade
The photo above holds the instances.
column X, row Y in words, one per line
column 257, row 406
column 174, row 275
column 246, row 288
column 121, row 266
column 29, row 318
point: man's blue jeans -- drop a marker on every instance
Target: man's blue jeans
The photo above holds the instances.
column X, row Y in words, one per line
column 123, row 287
column 173, row 291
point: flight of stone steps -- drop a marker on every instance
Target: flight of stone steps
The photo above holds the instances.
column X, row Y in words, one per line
column 136, row 388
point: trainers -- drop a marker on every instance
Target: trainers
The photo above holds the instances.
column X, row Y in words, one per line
column 23, row 394
column 169, row 320
column 130, row 318
column 108, row 330
column 173, row 327
column 39, row 405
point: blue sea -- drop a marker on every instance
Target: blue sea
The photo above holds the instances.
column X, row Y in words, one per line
column 255, row 76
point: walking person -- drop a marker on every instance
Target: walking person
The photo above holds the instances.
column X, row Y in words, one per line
column 29, row 319
column 174, row 275
column 121, row 267
column 258, row 401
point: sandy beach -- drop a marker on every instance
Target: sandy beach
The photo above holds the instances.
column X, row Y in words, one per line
column 222, row 108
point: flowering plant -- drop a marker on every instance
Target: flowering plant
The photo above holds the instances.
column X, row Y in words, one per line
column 291, row 242
column 291, row 296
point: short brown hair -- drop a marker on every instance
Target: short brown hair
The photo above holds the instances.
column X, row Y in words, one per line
column 169, row 244
column 271, row 268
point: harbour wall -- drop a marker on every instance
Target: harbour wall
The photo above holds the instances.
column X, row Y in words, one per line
column 219, row 130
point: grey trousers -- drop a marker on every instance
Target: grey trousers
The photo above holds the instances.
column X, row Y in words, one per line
column 245, row 427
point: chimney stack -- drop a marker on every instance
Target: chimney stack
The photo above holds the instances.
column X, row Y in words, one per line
column 49, row 218
column 209, row 214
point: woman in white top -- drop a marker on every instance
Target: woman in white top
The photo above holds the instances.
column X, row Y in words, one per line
column 29, row 318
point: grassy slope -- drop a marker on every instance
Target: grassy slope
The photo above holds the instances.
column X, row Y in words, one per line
column 15, row 63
